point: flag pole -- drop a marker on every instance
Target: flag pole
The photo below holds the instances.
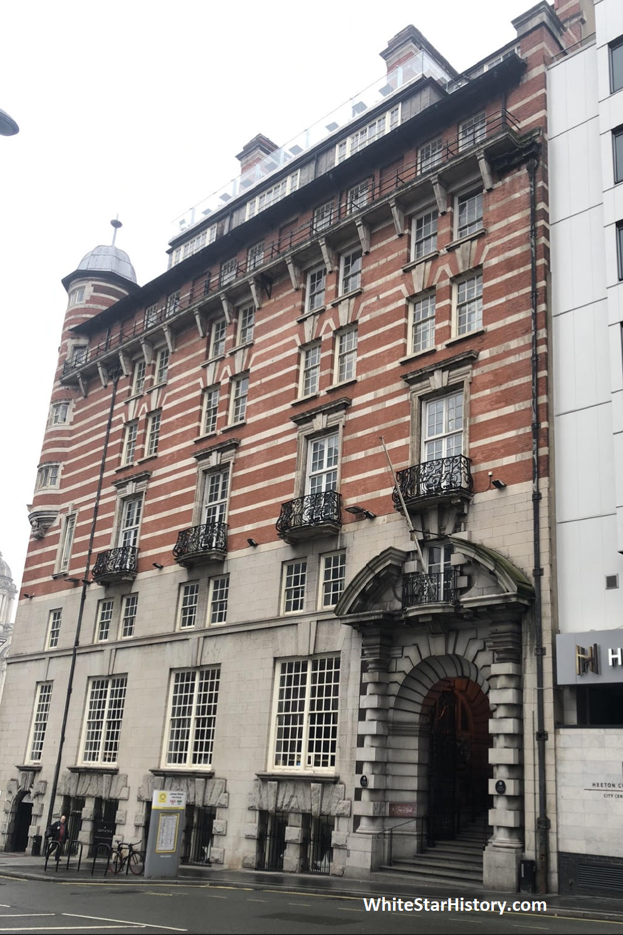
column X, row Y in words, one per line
column 412, row 531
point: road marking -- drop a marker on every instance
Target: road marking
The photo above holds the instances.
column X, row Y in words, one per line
column 24, row 915
column 5, row 906
column 249, row 900
column 300, row 904
column 166, row 928
column 533, row 928
column 554, row 915
column 77, row 928
column 153, row 893
column 348, row 909
column 312, row 895
column 214, row 896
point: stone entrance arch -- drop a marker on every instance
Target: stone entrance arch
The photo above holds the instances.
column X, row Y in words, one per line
column 406, row 650
column 25, row 793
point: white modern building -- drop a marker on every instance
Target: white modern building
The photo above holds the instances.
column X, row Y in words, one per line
column 585, row 95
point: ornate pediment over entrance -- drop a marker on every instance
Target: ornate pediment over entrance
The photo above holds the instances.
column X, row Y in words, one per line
column 393, row 588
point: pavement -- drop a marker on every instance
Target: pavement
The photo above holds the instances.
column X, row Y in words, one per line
column 597, row 908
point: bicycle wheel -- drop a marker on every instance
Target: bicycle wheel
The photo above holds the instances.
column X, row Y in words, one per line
column 117, row 863
column 137, row 865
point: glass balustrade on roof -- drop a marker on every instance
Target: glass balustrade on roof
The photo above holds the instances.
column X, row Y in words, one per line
column 421, row 63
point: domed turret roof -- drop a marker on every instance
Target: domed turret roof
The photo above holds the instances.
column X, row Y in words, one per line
column 108, row 259
column 5, row 571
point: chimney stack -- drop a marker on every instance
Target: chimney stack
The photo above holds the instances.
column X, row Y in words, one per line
column 254, row 151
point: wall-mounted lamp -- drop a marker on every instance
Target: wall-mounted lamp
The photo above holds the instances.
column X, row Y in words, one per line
column 252, row 542
column 498, row 484
column 158, row 565
column 73, row 580
column 359, row 510
column 29, row 596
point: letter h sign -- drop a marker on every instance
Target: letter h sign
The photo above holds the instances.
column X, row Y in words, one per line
column 587, row 660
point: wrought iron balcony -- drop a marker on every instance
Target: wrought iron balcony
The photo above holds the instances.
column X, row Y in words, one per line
column 205, row 543
column 438, row 588
column 116, row 565
column 443, row 479
column 316, row 514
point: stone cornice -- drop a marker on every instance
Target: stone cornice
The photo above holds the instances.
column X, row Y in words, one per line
column 335, row 405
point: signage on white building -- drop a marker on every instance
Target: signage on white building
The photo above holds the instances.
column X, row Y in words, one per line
column 589, row 658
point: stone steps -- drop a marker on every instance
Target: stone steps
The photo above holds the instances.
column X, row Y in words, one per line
column 458, row 861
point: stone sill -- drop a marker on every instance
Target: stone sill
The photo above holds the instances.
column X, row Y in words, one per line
column 307, row 777
column 212, row 360
column 35, row 768
column 203, row 438
column 463, row 337
column 241, row 347
column 186, row 773
column 148, row 458
column 422, row 259
column 347, row 295
column 418, row 354
column 338, row 386
column 109, row 770
column 59, row 575
column 129, row 399
column 313, row 311
column 234, row 425
column 157, row 386
column 474, row 236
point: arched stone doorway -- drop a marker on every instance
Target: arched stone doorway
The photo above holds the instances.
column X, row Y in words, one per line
column 21, row 823
column 455, row 722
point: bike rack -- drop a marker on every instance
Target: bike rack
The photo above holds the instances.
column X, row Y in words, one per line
column 48, row 853
column 107, row 853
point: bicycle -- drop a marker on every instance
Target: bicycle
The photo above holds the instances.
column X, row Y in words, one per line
column 133, row 860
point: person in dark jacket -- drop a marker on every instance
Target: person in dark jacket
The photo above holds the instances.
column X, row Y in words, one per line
column 57, row 834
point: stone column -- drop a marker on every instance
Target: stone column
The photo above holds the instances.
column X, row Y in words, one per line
column 503, row 852
column 372, row 754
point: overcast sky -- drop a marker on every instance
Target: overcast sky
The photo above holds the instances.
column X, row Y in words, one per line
column 139, row 108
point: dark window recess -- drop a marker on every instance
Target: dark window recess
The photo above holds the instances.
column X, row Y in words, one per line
column 620, row 248
column 612, row 581
column 316, row 850
column 72, row 809
column 616, row 65
column 104, row 826
column 271, row 840
column 600, row 706
column 617, row 143
column 197, row 839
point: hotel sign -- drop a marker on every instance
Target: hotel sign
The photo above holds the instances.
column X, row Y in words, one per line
column 590, row 658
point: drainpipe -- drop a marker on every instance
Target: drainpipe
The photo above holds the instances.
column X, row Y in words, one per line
column 542, row 823
column 114, row 375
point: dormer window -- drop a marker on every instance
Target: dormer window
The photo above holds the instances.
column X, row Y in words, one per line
column 368, row 134
column 272, row 195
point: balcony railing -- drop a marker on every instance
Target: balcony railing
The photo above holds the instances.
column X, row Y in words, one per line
column 433, row 479
column 314, row 514
column 344, row 207
column 116, row 564
column 436, row 588
column 201, row 543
